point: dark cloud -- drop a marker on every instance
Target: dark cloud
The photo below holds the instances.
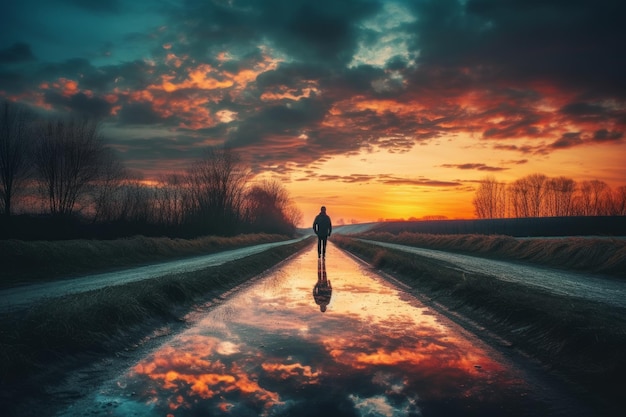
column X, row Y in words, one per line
column 139, row 114
column 524, row 149
column 290, row 75
column 350, row 179
column 421, row 182
column 12, row 81
column 568, row 140
column 18, row 52
column 156, row 154
column 572, row 139
column 572, row 43
column 476, row 166
column 583, row 109
column 516, row 162
column 526, row 71
column 385, row 179
column 327, row 33
column 80, row 104
column 322, row 31
column 289, row 119
column 25, row 80
column 604, row 135
column 134, row 76
column 515, row 124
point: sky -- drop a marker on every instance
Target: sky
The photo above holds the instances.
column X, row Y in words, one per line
column 376, row 109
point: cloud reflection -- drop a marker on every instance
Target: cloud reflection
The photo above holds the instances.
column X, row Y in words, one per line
column 323, row 290
column 200, row 367
column 375, row 352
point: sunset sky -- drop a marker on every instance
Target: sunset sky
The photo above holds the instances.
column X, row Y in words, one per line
column 376, row 109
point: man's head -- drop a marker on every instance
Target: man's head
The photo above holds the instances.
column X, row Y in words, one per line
column 323, row 209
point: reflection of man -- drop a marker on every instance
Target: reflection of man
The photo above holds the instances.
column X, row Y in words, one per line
column 322, row 290
column 322, row 227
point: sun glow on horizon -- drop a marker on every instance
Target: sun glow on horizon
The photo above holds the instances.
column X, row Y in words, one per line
column 431, row 181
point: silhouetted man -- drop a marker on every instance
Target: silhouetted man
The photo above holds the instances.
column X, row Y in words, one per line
column 322, row 227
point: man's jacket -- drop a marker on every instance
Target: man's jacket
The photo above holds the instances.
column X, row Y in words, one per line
column 322, row 225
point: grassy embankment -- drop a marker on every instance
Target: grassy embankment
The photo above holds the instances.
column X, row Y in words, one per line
column 42, row 343
column 598, row 255
column 582, row 341
column 38, row 261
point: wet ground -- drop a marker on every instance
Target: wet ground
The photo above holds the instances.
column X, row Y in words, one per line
column 326, row 338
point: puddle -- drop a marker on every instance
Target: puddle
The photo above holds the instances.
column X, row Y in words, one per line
column 318, row 338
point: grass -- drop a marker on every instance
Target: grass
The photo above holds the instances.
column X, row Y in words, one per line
column 69, row 330
column 23, row 261
column 582, row 341
column 598, row 255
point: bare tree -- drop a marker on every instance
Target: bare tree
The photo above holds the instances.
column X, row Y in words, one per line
column 170, row 200
column 217, row 185
column 593, row 198
column 619, row 201
column 490, row 199
column 537, row 193
column 112, row 177
column 15, row 163
column 138, row 203
column 519, row 192
column 559, row 196
column 294, row 215
column 262, row 211
column 269, row 208
column 68, row 155
column 527, row 196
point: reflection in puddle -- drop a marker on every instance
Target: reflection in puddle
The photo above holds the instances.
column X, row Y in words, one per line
column 322, row 291
column 270, row 351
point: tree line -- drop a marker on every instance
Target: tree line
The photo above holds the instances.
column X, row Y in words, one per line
column 61, row 170
column 537, row 195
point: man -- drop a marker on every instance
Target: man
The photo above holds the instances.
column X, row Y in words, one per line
column 322, row 227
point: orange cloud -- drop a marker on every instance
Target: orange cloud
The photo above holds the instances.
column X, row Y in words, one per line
column 68, row 87
column 294, row 370
column 172, row 59
column 199, row 77
column 283, row 93
column 140, row 95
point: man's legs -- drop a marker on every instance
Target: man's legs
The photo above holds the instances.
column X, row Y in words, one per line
column 319, row 247
column 324, row 246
